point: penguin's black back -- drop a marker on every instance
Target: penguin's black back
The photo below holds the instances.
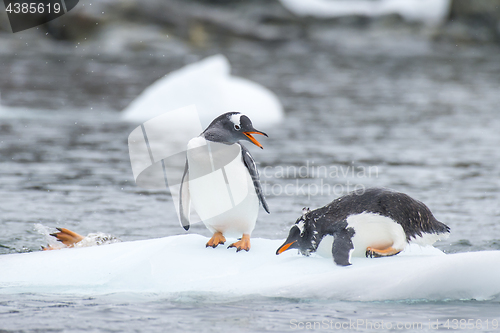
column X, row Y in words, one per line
column 414, row 216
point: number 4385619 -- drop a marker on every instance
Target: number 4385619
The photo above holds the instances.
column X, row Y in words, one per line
column 33, row 8
column 471, row 324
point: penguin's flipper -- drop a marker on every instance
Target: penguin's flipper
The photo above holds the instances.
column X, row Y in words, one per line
column 254, row 173
column 184, row 198
column 342, row 246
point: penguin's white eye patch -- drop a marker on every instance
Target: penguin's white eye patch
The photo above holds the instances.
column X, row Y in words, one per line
column 237, row 127
column 300, row 225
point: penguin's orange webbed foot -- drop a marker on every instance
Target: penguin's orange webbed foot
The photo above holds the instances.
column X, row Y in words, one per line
column 242, row 244
column 377, row 253
column 217, row 238
column 67, row 237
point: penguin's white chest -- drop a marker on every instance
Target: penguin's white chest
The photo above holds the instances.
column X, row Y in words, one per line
column 371, row 230
column 220, row 186
column 377, row 231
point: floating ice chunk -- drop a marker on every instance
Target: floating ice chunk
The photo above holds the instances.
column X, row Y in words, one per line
column 426, row 11
column 179, row 264
column 210, row 87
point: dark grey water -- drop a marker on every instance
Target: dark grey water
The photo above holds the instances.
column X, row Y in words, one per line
column 409, row 115
column 153, row 313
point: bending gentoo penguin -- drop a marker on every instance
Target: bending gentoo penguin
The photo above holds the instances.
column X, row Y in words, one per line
column 70, row 239
column 375, row 223
column 222, row 182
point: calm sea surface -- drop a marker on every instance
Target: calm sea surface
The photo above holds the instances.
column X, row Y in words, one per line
column 405, row 114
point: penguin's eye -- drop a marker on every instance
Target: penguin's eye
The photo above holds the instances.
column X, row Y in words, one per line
column 237, row 127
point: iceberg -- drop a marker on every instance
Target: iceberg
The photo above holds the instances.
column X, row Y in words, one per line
column 431, row 12
column 182, row 264
column 209, row 86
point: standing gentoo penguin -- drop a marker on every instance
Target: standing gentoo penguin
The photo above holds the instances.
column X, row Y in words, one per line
column 375, row 223
column 222, row 182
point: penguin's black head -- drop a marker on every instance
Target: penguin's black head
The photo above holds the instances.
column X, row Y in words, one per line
column 230, row 128
column 302, row 235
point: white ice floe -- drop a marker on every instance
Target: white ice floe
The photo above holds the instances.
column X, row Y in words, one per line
column 209, row 86
column 180, row 264
column 426, row 11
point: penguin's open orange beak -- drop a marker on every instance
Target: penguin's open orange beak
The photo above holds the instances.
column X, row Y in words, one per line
column 254, row 141
column 284, row 247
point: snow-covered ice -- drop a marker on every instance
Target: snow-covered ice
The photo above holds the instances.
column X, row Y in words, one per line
column 209, row 86
column 178, row 264
column 427, row 11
